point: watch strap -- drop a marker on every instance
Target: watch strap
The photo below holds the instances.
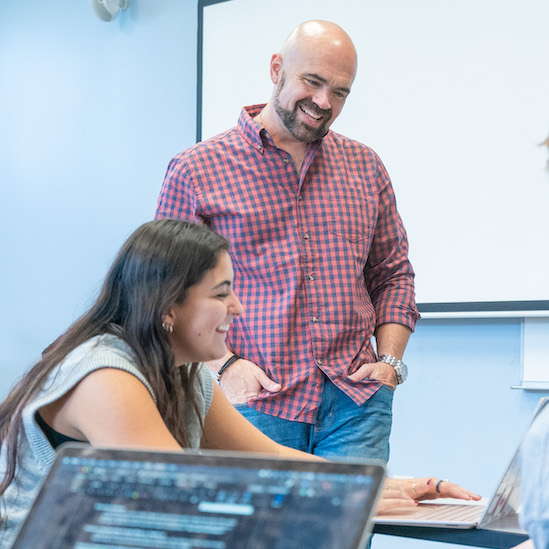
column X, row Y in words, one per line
column 397, row 364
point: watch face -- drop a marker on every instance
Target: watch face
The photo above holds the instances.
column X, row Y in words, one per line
column 402, row 372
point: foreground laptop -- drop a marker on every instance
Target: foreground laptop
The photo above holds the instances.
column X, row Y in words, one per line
column 500, row 512
column 105, row 499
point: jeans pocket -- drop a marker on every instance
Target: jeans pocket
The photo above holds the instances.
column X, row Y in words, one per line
column 241, row 407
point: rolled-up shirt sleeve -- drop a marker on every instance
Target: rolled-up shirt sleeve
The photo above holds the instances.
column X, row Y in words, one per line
column 388, row 273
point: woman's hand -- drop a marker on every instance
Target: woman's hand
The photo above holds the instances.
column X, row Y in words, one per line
column 431, row 488
column 403, row 494
column 394, row 498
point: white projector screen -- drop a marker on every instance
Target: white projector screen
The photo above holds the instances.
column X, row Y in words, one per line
column 454, row 97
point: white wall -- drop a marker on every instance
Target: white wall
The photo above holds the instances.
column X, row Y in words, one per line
column 453, row 97
column 90, row 114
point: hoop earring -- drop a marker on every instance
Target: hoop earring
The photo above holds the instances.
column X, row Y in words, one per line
column 167, row 327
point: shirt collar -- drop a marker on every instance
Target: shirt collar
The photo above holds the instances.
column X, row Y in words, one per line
column 250, row 129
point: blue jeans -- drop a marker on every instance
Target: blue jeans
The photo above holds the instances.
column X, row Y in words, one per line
column 343, row 428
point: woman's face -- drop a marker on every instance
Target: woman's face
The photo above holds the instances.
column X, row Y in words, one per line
column 202, row 321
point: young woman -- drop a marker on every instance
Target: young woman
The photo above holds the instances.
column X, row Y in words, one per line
column 128, row 373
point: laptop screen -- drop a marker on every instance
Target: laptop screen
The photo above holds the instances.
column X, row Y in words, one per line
column 107, row 499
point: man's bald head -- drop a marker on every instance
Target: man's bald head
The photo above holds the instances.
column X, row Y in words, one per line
column 320, row 35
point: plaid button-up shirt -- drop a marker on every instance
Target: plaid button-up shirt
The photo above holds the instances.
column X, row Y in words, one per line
column 320, row 257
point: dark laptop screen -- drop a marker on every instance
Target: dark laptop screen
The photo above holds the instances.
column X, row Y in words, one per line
column 118, row 499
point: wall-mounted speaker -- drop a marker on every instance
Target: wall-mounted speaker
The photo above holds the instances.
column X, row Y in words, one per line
column 108, row 10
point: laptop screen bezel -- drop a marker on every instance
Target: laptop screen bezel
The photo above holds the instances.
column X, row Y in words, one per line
column 371, row 468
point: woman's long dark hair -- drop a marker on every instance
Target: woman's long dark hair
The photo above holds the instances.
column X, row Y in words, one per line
column 152, row 272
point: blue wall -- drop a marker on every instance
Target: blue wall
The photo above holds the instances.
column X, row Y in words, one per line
column 456, row 417
column 90, row 114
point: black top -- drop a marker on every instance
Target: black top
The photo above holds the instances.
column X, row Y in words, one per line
column 55, row 438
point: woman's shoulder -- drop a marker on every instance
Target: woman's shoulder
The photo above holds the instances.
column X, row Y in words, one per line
column 99, row 352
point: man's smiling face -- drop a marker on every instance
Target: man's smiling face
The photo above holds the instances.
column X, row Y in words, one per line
column 312, row 87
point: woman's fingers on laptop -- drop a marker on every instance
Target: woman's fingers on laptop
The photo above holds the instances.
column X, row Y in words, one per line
column 393, row 498
column 433, row 488
column 430, row 488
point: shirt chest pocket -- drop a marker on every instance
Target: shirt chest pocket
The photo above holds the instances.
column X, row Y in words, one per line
column 353, row 215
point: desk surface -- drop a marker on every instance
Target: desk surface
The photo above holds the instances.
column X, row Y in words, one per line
column 475, row 537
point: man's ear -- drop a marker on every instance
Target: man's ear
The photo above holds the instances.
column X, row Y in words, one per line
column 276, row 68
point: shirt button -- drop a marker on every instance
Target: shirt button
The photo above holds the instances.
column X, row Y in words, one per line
column 311, row 277
column 306, row 236
column 300, row 198
column 286, row 160
column 320, row 362
column 316, row 319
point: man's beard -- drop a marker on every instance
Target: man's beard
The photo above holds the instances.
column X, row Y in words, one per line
column 298, row 129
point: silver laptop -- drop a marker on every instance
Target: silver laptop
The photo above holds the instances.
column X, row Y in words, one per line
column 500, row 512
column 106, row 499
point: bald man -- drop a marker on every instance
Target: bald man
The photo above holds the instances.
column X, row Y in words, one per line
column 319, row 252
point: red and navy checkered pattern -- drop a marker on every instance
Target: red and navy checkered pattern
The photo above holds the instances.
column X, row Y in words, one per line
column 320, row 257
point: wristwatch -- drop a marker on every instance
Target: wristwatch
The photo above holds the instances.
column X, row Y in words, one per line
column 401, row 369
